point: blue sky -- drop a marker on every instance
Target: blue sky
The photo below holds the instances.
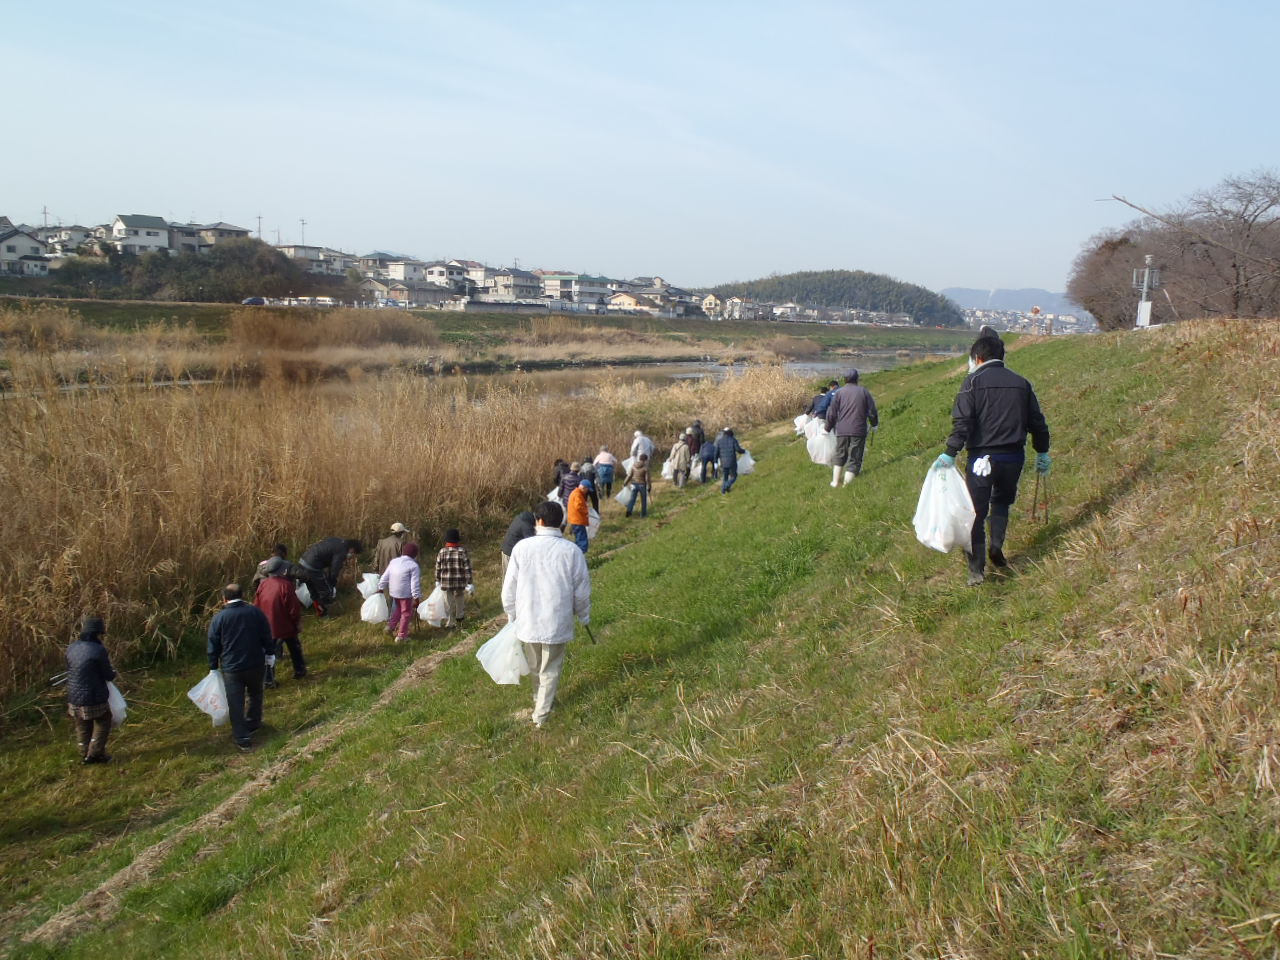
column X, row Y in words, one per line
column 942, row 143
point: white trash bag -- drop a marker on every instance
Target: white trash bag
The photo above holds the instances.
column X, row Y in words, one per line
column 626, row 465
column 668, row 470
column 503, row 656
column 554, row 495
column 800, row 422
column 944, row 516
column 822, row 448
column 432, row 609
column 304, row 595
column 368, row 585
column 746, row 464
column 375, row 610
column 116, row 701
column 210, row 695
column 593, row 523
column 623, row 496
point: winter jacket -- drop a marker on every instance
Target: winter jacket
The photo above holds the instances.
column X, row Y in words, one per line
column 577, row 511
column 88, row 670
column 642, row 444
column 708, row 451
column 453, row 568
column 850, row 408
column 699, row 435
column 388, row 549
column 638, row 474
column 239, row 638
column 994, row 411
column 727, row 450
column 327, row 556
column 521, row 527
column 403, row 578
column 818, row 408
column 679, row 458
column 568, row 483
column 546, row 586
column 277, row 597
column 691, row 442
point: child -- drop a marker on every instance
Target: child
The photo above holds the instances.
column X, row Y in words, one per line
column 453, row 573
column 403, row 579
column 88, row 670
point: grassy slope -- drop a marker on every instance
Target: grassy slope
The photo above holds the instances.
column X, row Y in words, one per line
column 800, row 734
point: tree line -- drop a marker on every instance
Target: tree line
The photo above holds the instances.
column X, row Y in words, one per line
column 1218, row 253
column 856, row 289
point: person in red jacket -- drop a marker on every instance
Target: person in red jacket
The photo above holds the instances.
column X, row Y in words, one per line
column 277, row 597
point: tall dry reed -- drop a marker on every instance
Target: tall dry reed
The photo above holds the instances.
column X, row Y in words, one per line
column 138, row 502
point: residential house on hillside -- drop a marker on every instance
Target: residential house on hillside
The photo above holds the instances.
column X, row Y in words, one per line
column 406, row 269
column 23, row 254
column 375, row 264
column 627, row 302
column 320, row 260
column 515, row 284
column 139, row 233
column 450, row 275
column 712, row 305
column 63, row 241
column 477, row 273
column 740, row 308
column 576, row 288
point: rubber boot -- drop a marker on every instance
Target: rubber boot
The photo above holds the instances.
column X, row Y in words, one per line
column 977, row 565
column 835, row 476
column 848, row 476
column 269, row 681
column 995, row 551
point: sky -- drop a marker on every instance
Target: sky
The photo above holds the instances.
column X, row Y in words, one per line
column 942, row 143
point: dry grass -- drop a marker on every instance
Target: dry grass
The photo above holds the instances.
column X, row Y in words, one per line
column 139, row 503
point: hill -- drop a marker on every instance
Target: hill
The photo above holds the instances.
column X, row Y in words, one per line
column 1023, row 300
column 848, row 288
column 799, row 735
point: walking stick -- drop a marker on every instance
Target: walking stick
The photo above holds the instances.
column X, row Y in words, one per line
column 587, row 627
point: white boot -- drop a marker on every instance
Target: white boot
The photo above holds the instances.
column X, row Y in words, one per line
column 848, row 476
column 835, row 476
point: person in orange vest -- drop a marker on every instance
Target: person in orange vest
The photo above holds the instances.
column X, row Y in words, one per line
column 578, row 514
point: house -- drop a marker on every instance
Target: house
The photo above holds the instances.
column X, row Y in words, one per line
column 63, row 241
column 575, row 287
column 375, row 288
column 418, row 293
column 406, row 269
column 627, row 302
column 712, row 305
column 739, row 308
column 375, row 264
column 215, row 233
column 477, row 273
column 138, row 233
column 23, row 254
column 320, row 260
column 444, row 274
column 515, row 284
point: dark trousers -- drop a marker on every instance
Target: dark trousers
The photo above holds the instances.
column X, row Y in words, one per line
column 242, row 685
column 295, row 652
column 993, row 494
column 708, row 462
column 93, row 734
column 849, row 452
column 321, row 588
column 728, row 474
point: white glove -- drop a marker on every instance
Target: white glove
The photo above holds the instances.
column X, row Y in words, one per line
column 271, row 660
column 982, row 467
column 471, row 589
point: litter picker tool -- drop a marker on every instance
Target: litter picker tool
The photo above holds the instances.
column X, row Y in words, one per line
column 587, row 627
column 1037, row 502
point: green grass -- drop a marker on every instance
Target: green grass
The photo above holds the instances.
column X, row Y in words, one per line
column 800, row 734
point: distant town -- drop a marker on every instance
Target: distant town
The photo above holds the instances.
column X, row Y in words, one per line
column 385, row 279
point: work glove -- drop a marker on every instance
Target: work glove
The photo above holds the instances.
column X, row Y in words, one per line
column 271, row 660
column 945, row 461
column 982, row 467
column 1043, row 463
column 471, row 589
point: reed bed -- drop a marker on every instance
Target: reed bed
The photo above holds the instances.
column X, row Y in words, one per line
column 138, row 502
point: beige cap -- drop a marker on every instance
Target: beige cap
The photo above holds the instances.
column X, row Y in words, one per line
column 399, row 528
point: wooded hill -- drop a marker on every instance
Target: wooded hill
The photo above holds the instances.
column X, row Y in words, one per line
column 849, row 288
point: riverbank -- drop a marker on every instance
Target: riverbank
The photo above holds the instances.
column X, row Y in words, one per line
column 799, row 735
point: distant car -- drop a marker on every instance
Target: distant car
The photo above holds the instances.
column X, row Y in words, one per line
column 253, row 302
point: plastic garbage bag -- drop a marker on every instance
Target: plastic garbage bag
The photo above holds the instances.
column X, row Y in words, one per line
column 822, row 448
column 626, row 465
column 375, row 610
column 944, row 515
column 554, row 496
column 801, row 422
column 746, row 464
column 210, row 695
column 815, row 427
column 502, row 656
column 623, row 496
column 304, row 595
column 668, row 470
column 116, row 701
column 432, row 609
column 368, row 585
column 593, row 523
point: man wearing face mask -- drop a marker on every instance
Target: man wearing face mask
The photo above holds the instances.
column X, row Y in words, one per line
column 992, row 415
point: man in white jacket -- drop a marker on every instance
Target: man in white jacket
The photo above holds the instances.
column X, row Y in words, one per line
column 546, row 586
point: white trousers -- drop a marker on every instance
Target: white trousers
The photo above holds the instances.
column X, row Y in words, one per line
column 545, row 661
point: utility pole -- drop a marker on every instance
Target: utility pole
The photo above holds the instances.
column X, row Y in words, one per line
column 45, row 211
column 259, row 226
column 303, row 224
column 1146, row 280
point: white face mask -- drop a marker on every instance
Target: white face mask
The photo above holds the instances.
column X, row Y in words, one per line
column 972, row 366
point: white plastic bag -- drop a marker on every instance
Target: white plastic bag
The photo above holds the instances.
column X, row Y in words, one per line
column 822, row 448
column 800, row 423
column 593, row 523
column 210, row 695
column 668, row 471
column 626, row 465
column 304, row 595
column 623, row 496
column 746, row 464
column 944, row 516
column 116, row 701
column 432, row 609
column 374, row 609
column 554, row 495
column 368, row 585
column 503, row 656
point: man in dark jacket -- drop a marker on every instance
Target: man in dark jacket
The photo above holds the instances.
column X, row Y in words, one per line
column 707, row 455
column 277, row 597
column 852, row 407
column 993, row 413
column 727, row 450
column 818, row 405
column 240, row 644
column 521, row 529
column 322, row 565
column 699, row 436
column 88, row 671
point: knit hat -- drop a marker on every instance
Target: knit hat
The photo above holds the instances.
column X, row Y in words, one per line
column 275, row 566
column 851, row 376
column 452, row 536
column 399, row 528
column 93, row 625
column 409, row 550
